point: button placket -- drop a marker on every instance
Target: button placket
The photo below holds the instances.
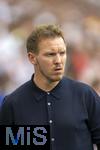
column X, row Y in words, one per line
column 50, row 117
column 49, row 108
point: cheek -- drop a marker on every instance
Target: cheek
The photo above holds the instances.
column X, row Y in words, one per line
column 64, row 59
column 45, row 65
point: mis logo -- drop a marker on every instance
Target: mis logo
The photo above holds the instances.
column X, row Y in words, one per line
column 31, row 136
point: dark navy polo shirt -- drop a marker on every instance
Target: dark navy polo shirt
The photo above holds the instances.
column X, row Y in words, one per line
column 72, row 109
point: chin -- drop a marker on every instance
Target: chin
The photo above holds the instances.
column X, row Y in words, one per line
column 57, row 78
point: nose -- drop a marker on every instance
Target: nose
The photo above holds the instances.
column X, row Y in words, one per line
column 57, row 59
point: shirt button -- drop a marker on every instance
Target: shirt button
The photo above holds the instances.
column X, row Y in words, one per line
column 48, row 93
column 52, row 139
column 50, row 121
column 49, row 103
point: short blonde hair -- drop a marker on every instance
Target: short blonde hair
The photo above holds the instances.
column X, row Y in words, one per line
column 42, row 32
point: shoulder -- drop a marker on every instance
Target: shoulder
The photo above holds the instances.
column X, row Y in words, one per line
column 78, row 87
column 83, row 94
column 19, row 94
column 74, row 83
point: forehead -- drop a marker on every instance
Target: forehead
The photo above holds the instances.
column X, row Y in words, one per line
column 52, row 43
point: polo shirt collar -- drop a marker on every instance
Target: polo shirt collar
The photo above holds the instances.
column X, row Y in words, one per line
column 56, row 92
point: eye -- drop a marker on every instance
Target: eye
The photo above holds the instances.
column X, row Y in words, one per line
column 62, row 52
column 51, row 54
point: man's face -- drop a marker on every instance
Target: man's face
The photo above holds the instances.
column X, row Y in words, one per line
column 50, row 60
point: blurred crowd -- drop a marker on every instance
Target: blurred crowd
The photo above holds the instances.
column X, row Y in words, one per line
column 80, row 22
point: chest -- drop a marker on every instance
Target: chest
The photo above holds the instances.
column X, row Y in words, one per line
column 67, row 111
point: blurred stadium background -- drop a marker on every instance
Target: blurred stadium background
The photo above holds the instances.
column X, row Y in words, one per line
column 80, row 22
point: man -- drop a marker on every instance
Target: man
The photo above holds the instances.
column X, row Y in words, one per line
column 71, row 108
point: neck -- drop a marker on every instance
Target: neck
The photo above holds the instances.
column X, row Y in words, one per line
column 44, row 84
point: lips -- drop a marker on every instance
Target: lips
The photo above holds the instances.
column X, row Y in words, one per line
column 57, row 69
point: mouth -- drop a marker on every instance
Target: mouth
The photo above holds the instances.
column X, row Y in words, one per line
column 58, row 70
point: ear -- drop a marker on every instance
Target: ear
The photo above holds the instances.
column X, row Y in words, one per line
column 32, row 58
